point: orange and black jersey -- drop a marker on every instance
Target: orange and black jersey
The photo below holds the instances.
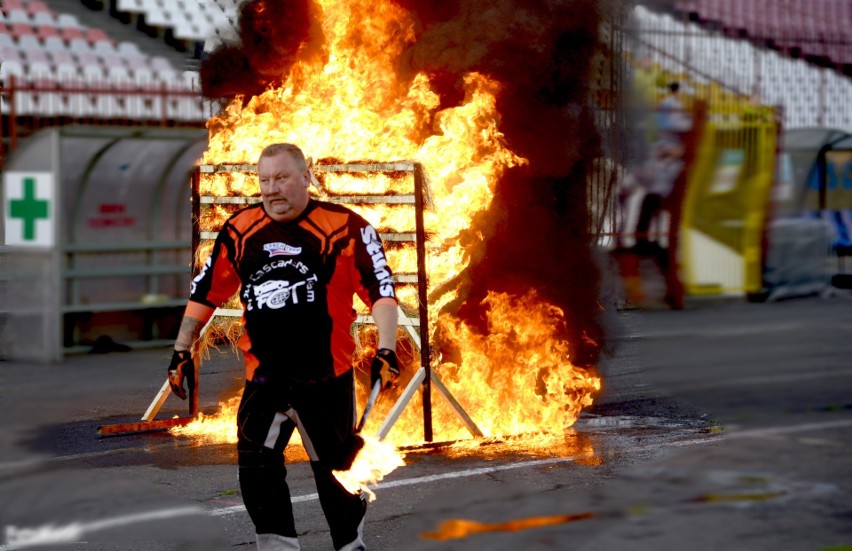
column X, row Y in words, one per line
column 296, row 281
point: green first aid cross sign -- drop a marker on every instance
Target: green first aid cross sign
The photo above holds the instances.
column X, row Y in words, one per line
column 29, row 212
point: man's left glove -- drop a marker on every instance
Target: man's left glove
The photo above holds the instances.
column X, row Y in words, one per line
column 384, row 368
column 180, row 367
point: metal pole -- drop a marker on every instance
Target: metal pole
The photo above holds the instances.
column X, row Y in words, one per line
column 423, row 304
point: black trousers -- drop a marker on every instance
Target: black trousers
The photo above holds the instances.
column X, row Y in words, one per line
column 324, row 413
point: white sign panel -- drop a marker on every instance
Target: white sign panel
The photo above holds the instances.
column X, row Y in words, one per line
column 30, row 208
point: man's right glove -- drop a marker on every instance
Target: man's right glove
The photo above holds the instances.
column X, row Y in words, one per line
column 180, row 367
column 384, row 368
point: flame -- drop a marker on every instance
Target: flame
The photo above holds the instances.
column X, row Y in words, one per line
column 463, row 528
column 372, row 463
column 350, row 105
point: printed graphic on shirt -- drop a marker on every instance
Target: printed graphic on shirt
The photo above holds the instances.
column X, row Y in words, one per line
column 200, row 276
column 277, row 293
column 380, row 264
column 278, row 249
column 277, row 265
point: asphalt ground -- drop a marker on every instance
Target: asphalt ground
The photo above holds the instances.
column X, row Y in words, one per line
column 727, row 425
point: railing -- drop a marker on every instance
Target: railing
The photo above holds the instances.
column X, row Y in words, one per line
column 31, row 106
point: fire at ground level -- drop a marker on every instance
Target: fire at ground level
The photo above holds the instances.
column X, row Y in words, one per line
column 721, row 425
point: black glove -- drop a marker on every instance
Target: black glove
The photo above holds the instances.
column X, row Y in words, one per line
column 180, row 367
column 384, row 368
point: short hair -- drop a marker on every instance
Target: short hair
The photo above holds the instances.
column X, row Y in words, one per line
column 291, row 149
column 674, row 86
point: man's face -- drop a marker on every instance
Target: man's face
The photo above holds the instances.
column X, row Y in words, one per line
column 283, row 186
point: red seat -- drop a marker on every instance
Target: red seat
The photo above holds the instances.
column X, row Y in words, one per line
column 70, row 33
column 46, row 30
column 21, row 29
column 96, row 35
column 36, row 6
column 9, row 5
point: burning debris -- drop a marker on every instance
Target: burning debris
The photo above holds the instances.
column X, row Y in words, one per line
column 490, row 96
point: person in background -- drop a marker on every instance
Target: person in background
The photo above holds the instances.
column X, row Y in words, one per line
column 656, row 177
column 297, row 263
column 673, row 120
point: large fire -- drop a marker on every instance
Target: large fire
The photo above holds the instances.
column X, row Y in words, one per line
column 350, row 106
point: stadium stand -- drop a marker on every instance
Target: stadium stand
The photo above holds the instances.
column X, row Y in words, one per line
column 69, row 61
column 816, row 31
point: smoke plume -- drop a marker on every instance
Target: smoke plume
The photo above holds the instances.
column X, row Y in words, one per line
column 536, row 229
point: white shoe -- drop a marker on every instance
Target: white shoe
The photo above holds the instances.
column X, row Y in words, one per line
column 274, row 542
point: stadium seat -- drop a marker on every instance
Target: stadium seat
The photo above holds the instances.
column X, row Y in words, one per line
column 13, row 5
column 55, row 44
column 47, row 31
column 160, row 63
column 119, row 74
column 128, row 49
column 35, row 55
column 21, row 29
column 79, row 45
column 67, row 20
column 72, row 33
column 17, row 16
column 133, row 6
column 37, row 6
column 29, row 42
column 104, row 47
column 66, row 72
column 12, row 68
column 10, row 52
column 94, row 34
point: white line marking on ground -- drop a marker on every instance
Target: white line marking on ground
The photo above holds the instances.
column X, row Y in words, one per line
column 23, row 537
column 29, row 537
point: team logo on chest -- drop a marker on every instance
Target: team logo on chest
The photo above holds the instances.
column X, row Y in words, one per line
column 281, row 249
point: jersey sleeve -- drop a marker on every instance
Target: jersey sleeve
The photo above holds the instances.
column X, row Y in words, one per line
column 218, row 279
column 371, row 263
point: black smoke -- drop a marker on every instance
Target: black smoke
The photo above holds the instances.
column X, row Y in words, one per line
column 273, row 35
column 536, row 229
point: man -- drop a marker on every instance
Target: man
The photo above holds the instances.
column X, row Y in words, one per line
column 297, row 263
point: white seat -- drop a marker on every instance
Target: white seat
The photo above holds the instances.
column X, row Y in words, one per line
column 119, row 74
column 66, row 73
column 108, row 106
column 44, row 18
column 78, row 104
column 134, row 6
column 54, row 44
column 160, row 63
column 186, row 109
column 94, row 75
column 17, row 16
column 24, row 104
column 67, row 20
column 128, row 48
column 191, row 80
column 104, row 47
column 79, row 45
column 12, row 68
column 40, row 72
column 29, row 42
column 143, row 76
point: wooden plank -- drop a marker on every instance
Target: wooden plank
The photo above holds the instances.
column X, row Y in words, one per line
column 144, row 426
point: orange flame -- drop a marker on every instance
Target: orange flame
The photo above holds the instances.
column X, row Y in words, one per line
column 372, row 463
column 352, row 106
